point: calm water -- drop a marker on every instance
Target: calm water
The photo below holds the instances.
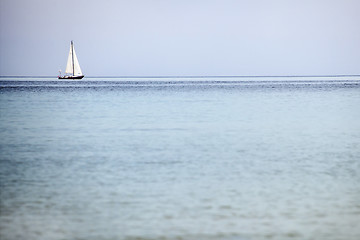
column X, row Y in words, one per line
column 191, row 159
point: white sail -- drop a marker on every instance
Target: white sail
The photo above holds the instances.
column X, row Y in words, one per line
column 73, row 66
column 69, row 65
column 77, row 69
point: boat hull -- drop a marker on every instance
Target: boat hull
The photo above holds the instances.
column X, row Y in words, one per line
column 71, row 77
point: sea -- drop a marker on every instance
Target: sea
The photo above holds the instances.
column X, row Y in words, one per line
column 180, row 158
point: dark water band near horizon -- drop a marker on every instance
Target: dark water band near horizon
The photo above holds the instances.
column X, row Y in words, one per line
column 180, row 158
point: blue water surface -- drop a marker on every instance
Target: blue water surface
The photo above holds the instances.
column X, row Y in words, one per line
column 173, row 158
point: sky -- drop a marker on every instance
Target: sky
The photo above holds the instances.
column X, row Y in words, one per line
column 181, row 37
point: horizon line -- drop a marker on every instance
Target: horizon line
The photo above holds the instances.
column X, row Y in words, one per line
column 189, row 76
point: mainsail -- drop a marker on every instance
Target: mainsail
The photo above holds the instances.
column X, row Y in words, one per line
column 73, row 66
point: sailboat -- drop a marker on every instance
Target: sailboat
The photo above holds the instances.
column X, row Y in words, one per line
column 73, row 70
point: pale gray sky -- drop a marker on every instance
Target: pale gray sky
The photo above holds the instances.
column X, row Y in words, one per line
column 168, row 37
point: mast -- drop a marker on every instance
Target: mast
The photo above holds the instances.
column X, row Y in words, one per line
column 72, row 55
